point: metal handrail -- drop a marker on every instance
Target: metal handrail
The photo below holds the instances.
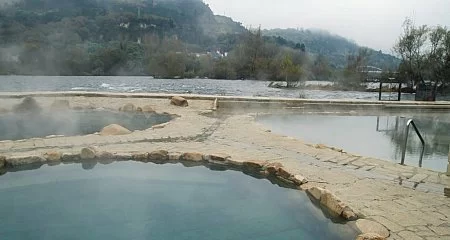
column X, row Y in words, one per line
column 411, row 122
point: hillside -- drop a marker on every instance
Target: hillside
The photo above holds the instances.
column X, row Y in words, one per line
column 162, row 38
column 335, row 48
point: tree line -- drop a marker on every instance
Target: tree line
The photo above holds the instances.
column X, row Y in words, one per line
column 425, row 54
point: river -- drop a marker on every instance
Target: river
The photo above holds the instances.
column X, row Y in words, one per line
column 132, row 84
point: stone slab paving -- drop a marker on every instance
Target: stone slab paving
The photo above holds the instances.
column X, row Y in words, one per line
column 408, row 201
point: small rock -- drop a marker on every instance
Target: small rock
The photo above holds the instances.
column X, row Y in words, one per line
column 68, row 157
column 174, row 156
column 114, row 130
column 235, row 163
column 272, row 168
column 299, row 179
column 370, row 236
column 320, row 146
column 148, row 109
column 19, row 161
column 141, row 157
column 179, row 101
column 88, row 153
column 105, row 155
column 283, row 173
column 348, row 214
column 316, row 192
column 160, row 126
column 60, row 105
column 254, row 166
column 123, row 156
column 194, row 157
column 333, row 203
column 217, row 157
column 129, row 107
column 52, row 156
column 368, row 226
column 139, row 109
column 3, row 110
column 446, row 190
column 28, row 104
column 2, row 161
column 160, row 155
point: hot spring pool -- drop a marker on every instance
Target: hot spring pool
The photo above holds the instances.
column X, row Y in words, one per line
column 129, row 200
column 375, row 136
column 16, row 126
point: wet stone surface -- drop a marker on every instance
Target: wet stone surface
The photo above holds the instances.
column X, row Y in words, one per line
column 407, row 200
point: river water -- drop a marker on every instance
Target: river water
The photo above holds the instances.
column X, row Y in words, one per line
column 182, row 86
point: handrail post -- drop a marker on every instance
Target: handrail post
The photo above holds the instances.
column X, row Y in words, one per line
column 409, row 123
column 448, row 167
column 405, row 142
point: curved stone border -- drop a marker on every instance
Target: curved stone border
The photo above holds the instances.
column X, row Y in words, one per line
column 263, row 169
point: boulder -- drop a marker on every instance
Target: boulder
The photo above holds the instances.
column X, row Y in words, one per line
column 88, row 153
column 129, row 107
column 316, row 192
column 368, row 226
column 105, row 155
column 283, row 173
column 60, row 105
column 147, row 109
column 348, row 214
column 19, row 161
column 52, row 156
column 113, row 130
column 69, row 157
column 2, row 161
column 174, row 156
column 194, row 157
column 179, row 101
column 299, row 179
column 332, row 203
column 272, row 168
column 28, row 104
column 160, row 155
column 217, row 157
column 370, row 236
column 254, row 166
column 140, row 157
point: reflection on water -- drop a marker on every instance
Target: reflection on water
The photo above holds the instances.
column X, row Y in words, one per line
column 376, row 136
column 128, row 200
column 15, row 126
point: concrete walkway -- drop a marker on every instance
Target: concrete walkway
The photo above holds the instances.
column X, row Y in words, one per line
column 409, row 201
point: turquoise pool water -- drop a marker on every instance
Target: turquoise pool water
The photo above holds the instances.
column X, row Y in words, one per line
column 128, row 200
column 375, row 136
column 15, row 126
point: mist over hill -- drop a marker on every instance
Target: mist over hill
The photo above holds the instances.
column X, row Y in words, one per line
column 334, row 47
column 162, row 38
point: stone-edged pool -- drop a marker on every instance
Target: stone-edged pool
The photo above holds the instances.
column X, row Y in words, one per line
column 24, row 125
column 129, row 200
column 371, row 134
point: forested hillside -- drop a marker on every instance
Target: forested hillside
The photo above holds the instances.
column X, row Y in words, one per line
column 102, row 36
column 161, row 38
column 335, row 48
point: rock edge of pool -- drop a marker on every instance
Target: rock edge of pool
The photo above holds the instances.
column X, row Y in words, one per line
column 382, row 199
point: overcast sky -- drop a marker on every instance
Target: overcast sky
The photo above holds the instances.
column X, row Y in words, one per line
column 376, row 24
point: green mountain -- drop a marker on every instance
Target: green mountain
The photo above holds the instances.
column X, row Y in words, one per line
column 163, row 38
column 335, row 48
